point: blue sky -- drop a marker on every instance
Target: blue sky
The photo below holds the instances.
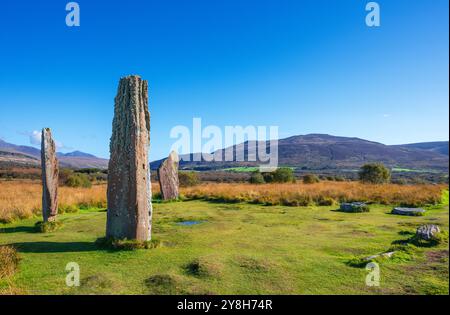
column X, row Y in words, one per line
column 308, row 66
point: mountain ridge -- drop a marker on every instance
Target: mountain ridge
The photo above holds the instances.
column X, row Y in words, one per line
column 311, row 151
column 323, row 151
column 12, row 154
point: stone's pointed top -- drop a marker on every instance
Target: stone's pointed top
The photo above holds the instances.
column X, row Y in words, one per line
column 131, row 76
column 46, row 129
column 174, row 156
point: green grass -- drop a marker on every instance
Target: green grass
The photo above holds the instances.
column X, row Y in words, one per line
column 247, row 169
column 236, row 249
column 242, row 169
column 409, row 170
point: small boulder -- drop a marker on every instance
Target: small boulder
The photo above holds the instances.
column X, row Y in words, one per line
column 408, row 211
column 427, row 232
column 354, row 207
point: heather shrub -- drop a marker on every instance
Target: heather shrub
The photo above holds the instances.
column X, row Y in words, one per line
column 188, row 179
column 310, row 179
column 281, row 175
column 78, row 180
column 257, row 178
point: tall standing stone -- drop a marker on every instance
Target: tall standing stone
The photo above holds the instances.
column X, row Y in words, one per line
column 129, row 188
column 50, row 173
column 168, row 177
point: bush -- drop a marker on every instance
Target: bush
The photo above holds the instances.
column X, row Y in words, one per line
column 310, row 179
column 47, row 227
column 188, row 179
column 257, row 178
column 374, row 173
column 325, row 201
column 78, row 180
column 281, row 175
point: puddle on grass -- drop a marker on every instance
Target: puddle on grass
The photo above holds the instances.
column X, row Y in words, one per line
column 189, row 223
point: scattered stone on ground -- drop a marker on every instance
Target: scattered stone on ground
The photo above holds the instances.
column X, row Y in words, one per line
column 50, row 173
column 129, row 188
column 354, row 207
column 427, row 232
column 408, row 211
column 168, row 177
column 384, row 255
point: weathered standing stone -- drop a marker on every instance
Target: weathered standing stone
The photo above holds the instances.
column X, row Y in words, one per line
column 50, row 173
column 129, row 188
column 168, row 177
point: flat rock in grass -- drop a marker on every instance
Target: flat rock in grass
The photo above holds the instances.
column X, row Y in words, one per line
column 408, row 211
column 353, row 207
column 384, row 255
column 427, row 232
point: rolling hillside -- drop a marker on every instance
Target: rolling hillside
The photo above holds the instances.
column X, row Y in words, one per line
column 19, row 155
column 320, row 151
column 313, row 151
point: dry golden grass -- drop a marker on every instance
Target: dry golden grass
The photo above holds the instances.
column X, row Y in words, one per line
column 22, row 199
column 323, row 193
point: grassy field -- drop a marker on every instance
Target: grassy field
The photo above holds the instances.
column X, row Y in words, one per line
column 235, row 249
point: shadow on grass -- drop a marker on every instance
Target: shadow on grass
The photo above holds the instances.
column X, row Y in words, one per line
column 55, row 247
column 19, row 229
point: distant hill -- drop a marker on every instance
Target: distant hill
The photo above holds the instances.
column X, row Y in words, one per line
column 313, row 151
column 439, row 146
column 76, row 154
column 321, row 151
column 21, row 155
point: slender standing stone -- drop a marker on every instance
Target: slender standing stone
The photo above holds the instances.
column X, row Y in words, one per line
column 168, row 177
column 129, row 187
column 50, row 174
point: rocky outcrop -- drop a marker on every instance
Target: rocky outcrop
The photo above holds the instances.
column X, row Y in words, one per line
column 129, row 188
column 168, row 177
column 50, row 173
column 427, row 232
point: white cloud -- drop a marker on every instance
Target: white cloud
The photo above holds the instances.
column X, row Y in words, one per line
column 35, row 137
column 386, row 115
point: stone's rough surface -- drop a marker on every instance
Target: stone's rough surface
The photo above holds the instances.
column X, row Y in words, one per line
column 408, row 211
column 50, row 173
column 427, row 232
column 129, row 188
column 354, row 207
column 168, row 177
